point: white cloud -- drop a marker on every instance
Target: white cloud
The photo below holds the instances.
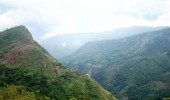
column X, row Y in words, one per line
column 6, row 20
column 47, row 18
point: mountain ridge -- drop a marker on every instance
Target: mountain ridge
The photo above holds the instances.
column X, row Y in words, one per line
column 128, row 67
column 26, row 66
column 65, row 45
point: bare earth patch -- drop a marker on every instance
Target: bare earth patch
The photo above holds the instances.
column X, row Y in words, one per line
column 10, row 57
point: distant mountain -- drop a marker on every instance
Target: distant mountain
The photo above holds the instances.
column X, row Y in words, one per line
column 64, row 45
column 132, row 68
column 28, row 72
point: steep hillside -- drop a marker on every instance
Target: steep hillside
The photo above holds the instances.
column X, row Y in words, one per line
column 64, row 45
column 28, row 72
column 133, row 68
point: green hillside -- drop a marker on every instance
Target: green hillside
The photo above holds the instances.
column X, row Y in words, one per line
column 132, row 68
column 28, row 72
column 65, row 45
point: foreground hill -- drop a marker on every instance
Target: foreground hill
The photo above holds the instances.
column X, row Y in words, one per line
column 64, row 45
column 28, row 72
column 133, row 68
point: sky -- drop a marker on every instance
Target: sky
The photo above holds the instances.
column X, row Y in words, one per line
column 47, row 18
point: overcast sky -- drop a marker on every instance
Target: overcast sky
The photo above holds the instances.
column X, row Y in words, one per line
column 46, row 18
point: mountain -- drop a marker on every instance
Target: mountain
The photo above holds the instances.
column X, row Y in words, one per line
column 132, row 68
column 64, row 45
column 28, row 72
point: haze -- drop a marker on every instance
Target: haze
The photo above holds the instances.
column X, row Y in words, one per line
column 48, row 18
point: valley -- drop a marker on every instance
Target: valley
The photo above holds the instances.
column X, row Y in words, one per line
column 133, row 68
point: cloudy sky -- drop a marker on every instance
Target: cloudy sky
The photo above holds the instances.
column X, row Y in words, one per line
column 46, row 18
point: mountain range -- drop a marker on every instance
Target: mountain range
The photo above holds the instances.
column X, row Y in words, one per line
column 133, row 65
column 136, row 67
column 65, row 45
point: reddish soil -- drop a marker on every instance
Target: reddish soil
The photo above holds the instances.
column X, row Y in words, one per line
column 11, row 57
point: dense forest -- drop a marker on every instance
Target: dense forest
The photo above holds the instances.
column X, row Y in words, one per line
column 28, row 72
column 133, row 68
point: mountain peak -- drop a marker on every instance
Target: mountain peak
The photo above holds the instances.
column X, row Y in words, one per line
column 24, row 63
column 19, row 33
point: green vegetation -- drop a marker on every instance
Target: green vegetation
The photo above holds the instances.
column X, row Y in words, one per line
column 28, row 72
column 10, row 37
column 133, row 68
column 165, row 99
column 13, row 92
column 61, row 88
